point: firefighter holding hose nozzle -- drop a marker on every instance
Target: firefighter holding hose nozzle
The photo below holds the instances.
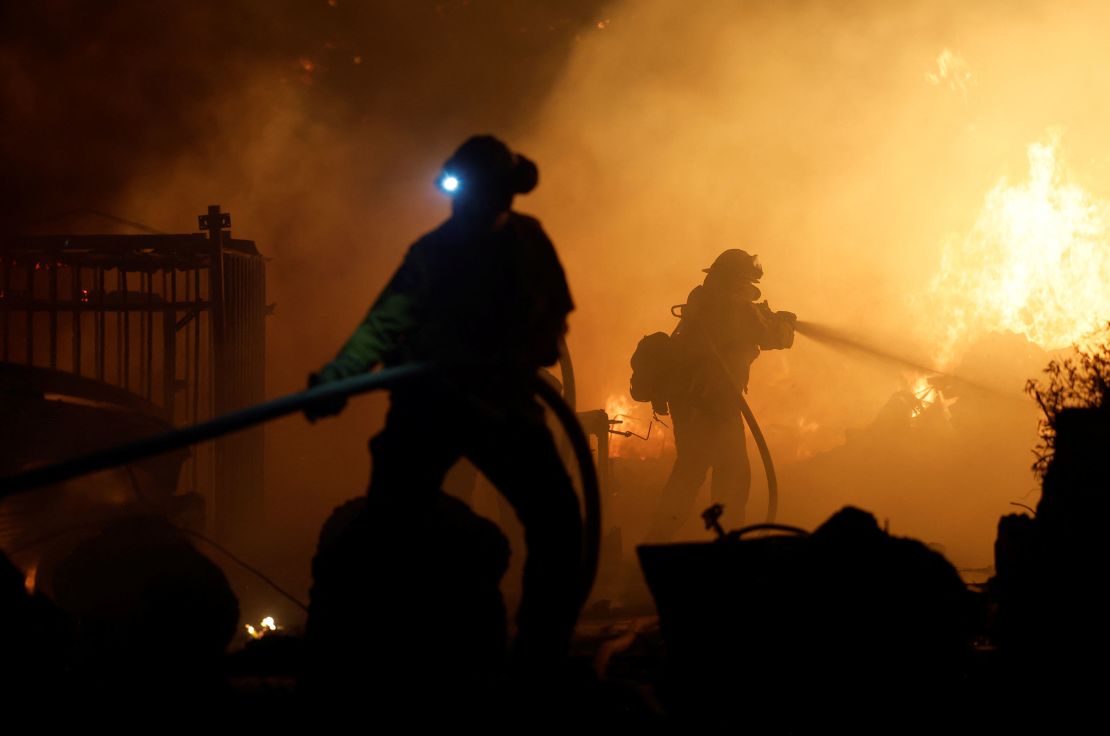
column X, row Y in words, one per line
column 484, row 296
column 722, row 330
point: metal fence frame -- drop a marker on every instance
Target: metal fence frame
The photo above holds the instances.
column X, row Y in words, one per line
column 175, row 320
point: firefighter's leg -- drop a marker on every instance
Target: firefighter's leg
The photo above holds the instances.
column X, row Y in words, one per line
column 732, row 472
column 521, row 460
column 687, row 476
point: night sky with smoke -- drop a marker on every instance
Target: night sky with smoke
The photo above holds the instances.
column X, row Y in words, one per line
column 96, row 95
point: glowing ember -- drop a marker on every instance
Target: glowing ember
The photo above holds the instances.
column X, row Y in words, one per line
column 926, row 394
column 1036, row 262
column 807, row 430
column 266, row 627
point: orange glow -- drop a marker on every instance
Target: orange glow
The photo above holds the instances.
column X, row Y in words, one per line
column 636, row 418
column 30, row 578
column 266, row 627
column 860, row 154
column 925, row 393
column 808, row 438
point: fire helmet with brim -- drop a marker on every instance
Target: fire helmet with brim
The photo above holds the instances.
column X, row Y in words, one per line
column 736, row 265
column 485, row 164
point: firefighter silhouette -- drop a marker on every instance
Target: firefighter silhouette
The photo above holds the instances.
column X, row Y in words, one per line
column 722, row 331
column 484, row 296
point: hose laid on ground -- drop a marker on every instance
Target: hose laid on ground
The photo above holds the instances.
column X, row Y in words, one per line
column 297, row 402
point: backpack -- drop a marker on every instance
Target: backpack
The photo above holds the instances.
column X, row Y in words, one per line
column 653, row 370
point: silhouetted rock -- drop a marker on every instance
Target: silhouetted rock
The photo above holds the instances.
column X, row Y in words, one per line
column 152, row 613
column 811, row 632
column 406, row 612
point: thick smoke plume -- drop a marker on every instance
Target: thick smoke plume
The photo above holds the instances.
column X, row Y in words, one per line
column 855, row 149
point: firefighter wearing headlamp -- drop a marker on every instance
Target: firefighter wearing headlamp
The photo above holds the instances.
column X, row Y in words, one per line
column 484, row 296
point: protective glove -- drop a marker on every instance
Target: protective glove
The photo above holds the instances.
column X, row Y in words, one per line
column 765, row 307
column 327, row 407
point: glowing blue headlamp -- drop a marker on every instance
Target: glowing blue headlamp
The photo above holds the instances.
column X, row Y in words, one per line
column 449, row 183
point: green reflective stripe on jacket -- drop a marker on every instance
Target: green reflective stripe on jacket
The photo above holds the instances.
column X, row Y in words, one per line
column 381, row 333
column 461, row 296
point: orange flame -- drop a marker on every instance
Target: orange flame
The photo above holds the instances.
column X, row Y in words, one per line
column 265, row 627
column 1036, row 262
column 637, row 418
column 926, row 394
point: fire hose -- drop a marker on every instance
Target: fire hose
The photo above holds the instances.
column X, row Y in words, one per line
column 323, row 394
column 757, row 435
column 824, row 334
column 749, row 417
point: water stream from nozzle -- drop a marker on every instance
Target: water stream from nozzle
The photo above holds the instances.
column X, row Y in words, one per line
column 838, row 339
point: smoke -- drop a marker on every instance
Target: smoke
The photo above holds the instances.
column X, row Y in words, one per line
column 319, row 125
column 845, row 144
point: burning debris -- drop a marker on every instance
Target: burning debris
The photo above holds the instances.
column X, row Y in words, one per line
column 266, row 627
column 634, row 435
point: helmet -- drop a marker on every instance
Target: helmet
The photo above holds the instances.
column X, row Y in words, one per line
column 484, row 163
column 736, row 265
